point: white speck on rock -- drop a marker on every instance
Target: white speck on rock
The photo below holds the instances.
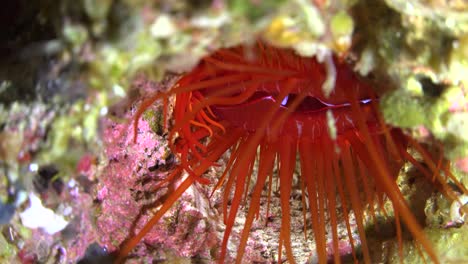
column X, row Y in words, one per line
column 38, row 216
column 163, row 27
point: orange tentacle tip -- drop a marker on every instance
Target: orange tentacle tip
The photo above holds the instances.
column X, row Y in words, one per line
column 263, row 112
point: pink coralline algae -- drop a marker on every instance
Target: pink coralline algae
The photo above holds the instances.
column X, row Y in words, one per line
column 127, row 197
column 462, row 164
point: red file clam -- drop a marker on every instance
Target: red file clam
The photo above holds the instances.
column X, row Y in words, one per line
column 266, row 107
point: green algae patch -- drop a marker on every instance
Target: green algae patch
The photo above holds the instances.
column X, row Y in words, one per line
column 6, row 250
column 73, row 133
column 458, row 65
column 253, row 10
column 342, row 24
column 75, row 35
column 401, row 109
column 410, row 108
column 449, row 126
column 155, row 119
column 451, row 244
column 457, row 126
